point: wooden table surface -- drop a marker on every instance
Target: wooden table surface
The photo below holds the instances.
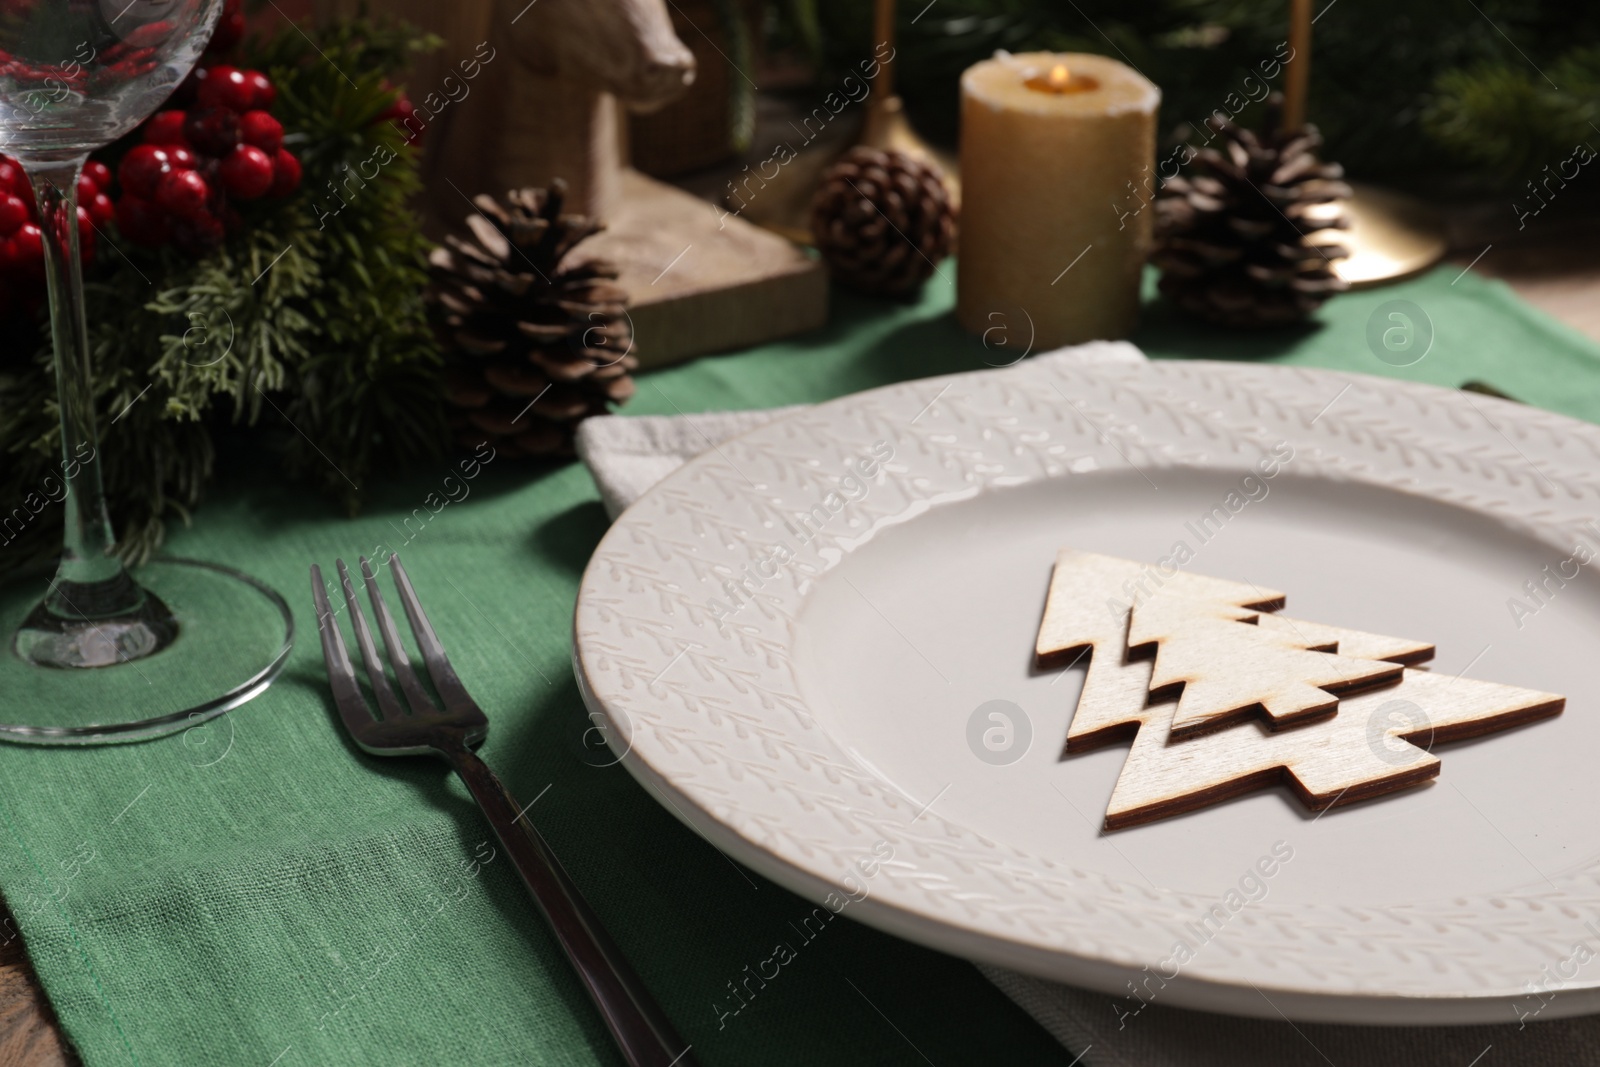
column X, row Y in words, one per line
column 1557, row 271
column 1559, row 274
column 29, row 1036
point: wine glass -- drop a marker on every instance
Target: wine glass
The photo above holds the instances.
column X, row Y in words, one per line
column 105, row 657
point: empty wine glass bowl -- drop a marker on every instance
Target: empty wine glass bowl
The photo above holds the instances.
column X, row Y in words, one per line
column 75, row 75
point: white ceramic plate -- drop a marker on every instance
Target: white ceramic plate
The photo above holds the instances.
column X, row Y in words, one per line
column 820, row 730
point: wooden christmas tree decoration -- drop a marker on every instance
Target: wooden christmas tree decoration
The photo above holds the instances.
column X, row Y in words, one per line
column 1360, row 751
column 1087, row 609
column 1089, row 604
column 1228, row 666
column 1319, row 638
column 1370, row 747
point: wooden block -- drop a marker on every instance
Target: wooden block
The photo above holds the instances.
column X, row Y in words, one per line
column 702, row 281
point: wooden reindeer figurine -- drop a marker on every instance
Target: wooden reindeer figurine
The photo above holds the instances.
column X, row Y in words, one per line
column 574, row 60
column 546, row 78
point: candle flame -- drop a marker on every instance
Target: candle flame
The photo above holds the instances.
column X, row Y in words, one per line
column 1059, row 80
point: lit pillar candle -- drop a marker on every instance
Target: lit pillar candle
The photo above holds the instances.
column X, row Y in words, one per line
column 1056, row 168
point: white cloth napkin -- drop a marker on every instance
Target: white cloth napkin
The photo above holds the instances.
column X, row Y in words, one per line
column 627, row 455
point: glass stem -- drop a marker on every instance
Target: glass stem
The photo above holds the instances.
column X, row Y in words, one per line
column 90, row 581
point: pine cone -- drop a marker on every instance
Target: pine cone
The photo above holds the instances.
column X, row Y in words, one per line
column 882, row 220
column 1230, row 234
column 534, row 343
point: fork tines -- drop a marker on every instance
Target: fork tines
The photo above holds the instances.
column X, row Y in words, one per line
column 341, row 673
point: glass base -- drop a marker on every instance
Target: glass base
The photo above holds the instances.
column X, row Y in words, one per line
column 200, row 640
column 95, row 625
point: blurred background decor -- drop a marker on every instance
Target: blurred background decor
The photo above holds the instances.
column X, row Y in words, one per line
column 880, row 122
column 1398, row 92
column 547, row 81
column 292, row 323
column 1474, row 116
column 557, row 79
column 313, row 294
column 1237, row 241
column 552, row 107
column 883, row 220
column 713, row 121
column 1051, row 143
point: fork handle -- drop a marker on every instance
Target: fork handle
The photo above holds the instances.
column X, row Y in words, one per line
column 636, row 1022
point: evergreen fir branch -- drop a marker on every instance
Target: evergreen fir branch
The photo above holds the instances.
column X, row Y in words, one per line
column 1509, row 120
column 314, row 310
column 1397, row 86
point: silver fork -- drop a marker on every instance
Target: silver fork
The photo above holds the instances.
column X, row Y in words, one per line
column 636, row 1022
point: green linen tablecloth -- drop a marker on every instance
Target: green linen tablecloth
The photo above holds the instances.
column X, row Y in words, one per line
column 259, row 892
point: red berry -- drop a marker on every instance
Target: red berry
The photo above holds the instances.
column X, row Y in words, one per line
column 141, row 169
column 182, row 193
column 262, row 130
column 25, row 248
column 262, row 91
column 401, row 108
column 101, row 209
column 99, row 173
column 247, row 173
column 166, row 127
column 13, row 213
column 213, row 131
column 285, row 172
column 142, row 222
column 86, row 188
column 181, row 157
column 13, row 181
column 402, row 115
column 227, row 87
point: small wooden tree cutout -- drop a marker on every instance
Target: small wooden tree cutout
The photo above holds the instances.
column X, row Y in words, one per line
column 1086, row 612
column 1378, row 742
column 1320, row 638
column 1361, row 751
column 1229, row 667
column 1088, row 608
